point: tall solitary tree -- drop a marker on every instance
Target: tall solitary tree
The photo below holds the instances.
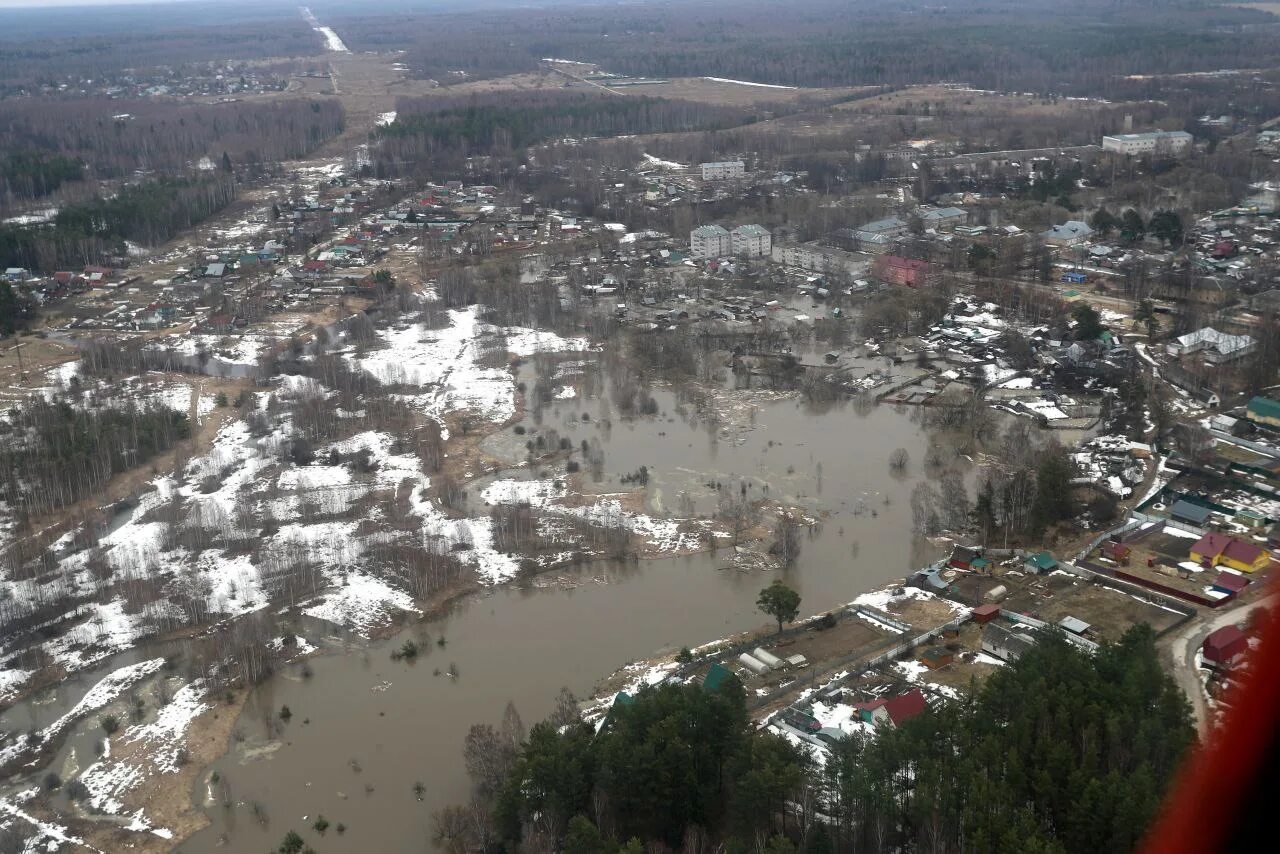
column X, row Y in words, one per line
column 780, row 602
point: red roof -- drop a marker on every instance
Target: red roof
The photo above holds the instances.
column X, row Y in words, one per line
column 1241, row 551
column 1225, row 644
column 906, row 706
column 982, row 613
column 1211, row 545
column 1230, row 581
column 316, row 265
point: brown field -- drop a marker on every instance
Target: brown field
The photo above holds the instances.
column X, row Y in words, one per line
column 735, row 94
column 1109, row 611
column 946, row 100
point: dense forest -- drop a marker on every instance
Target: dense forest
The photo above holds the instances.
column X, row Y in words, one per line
column 32, row 174
column 54, row 454
column 1062, row 751
column 147, row 213
column 83, row 41
column 115, row 138
column 1000, row 45
column 451, row 128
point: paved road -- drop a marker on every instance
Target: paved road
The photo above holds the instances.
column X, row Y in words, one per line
column 1183, row 644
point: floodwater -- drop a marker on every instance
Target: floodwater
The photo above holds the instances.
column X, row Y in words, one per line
column 366, row 729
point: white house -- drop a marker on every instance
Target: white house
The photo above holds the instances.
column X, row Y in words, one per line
column 751, row 241
column 723, row 170
column 1218, row 347
column 1164, row 141
column 709, row 241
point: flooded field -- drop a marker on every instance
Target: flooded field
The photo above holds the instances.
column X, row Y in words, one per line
column 365, row 730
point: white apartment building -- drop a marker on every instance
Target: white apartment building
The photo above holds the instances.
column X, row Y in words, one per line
column 723, row 171
column 710, row 241
column 1171, row 141
column 751, row 241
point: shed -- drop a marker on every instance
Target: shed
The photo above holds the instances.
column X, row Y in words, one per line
column 1230, row 583
column 1042, row 562
column 797, row 660
column 717, row 677
column 1188, row 513
column 1225, row 645
column 936, row 656
column 986, row 613
column 1117, row 552
column 962, row 557
column 1075, row 625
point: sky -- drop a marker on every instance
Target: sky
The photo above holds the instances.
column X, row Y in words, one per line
column 29, row 4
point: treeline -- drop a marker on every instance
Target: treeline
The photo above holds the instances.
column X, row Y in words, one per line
column 54, row 454
column 1034, row 46
column 31, row 174
column 42, row 44
column 148, row 213
column 1062, row 751
column 116, row 138
column 500, row 123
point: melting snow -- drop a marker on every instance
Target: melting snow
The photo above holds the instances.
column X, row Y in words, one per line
column 746, row 83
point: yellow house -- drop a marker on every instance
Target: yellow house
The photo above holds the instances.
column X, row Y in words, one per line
column 1221, row 550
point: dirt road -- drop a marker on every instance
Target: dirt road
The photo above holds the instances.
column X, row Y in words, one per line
column 1182, row 645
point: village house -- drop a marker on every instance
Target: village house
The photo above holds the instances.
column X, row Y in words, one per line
column 892, row 711
column 1004, row 644
column 1215, row 549
column 1225, row 646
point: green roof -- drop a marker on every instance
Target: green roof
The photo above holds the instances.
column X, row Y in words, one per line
column 622, row 698
column 1042, row 560
column 716, row 678
column 1265, row 407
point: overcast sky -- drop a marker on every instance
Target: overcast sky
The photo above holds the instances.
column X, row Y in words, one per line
column 18, row 4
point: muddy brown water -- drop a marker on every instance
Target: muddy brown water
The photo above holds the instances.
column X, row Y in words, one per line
column 365, row 729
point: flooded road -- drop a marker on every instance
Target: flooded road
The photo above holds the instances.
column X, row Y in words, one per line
column 365, row 729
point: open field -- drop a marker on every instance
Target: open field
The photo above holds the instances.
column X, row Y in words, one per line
column 1109, row 611
column 705, row 90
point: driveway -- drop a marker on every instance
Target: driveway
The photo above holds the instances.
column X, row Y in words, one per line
column 1182, row 646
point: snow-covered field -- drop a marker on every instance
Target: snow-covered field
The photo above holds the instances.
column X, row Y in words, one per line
column 446, row 361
